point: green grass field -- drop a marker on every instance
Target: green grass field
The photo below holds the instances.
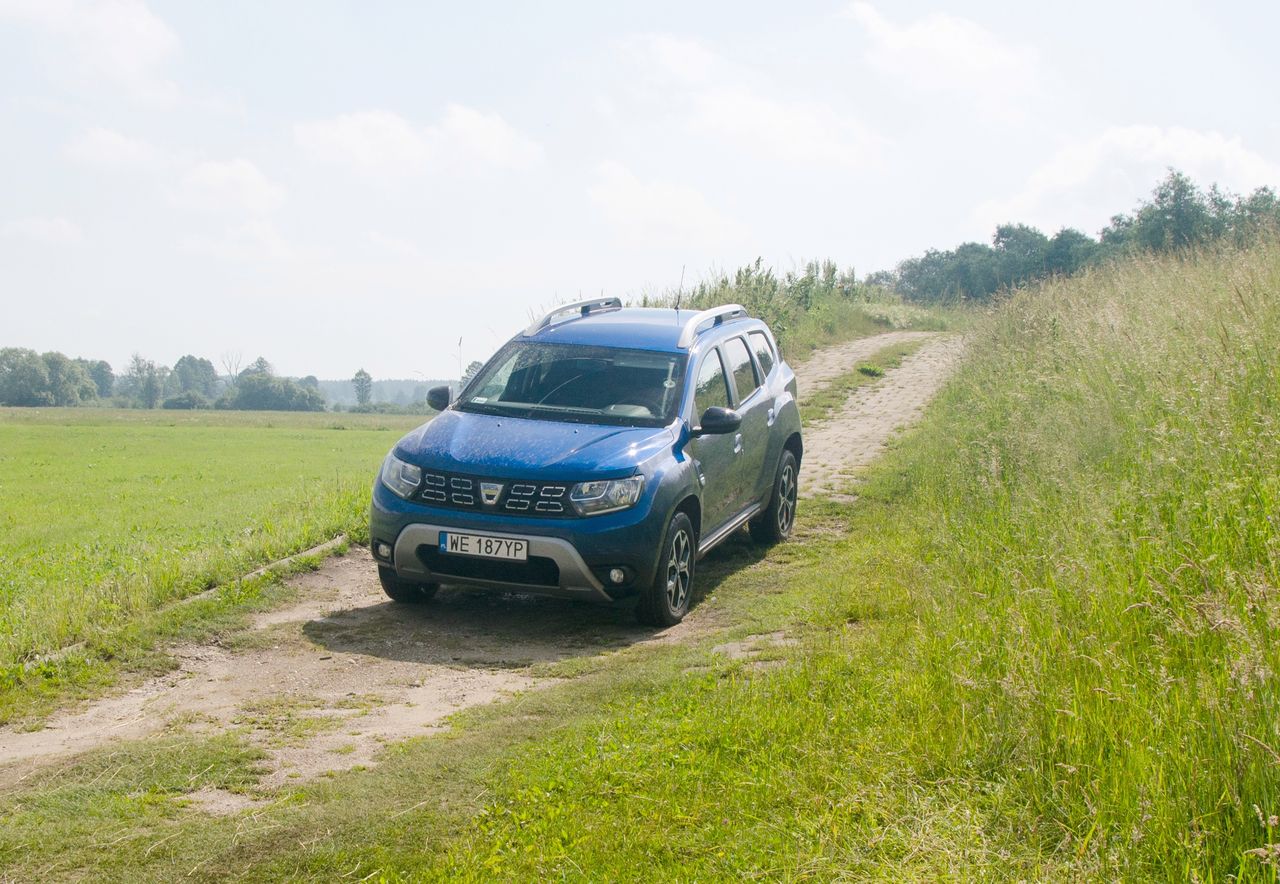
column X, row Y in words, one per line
column 109, row 514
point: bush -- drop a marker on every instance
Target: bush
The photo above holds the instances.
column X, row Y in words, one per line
column 188, row 400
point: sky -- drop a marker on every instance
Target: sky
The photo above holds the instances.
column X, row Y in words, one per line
column 344, row 185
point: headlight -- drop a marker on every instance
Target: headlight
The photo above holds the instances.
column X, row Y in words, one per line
column 606, row 495
column 402, row 478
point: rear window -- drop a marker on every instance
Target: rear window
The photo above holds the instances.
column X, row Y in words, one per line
column 744, row 373
column 764, row 353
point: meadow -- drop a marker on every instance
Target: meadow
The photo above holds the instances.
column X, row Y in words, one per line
column 1040, row 646
column 106, row 515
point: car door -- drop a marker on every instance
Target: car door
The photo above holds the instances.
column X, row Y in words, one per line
column 715, row 457
column 753, row 401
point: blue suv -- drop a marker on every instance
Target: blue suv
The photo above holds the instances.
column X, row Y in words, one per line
column 598, row 455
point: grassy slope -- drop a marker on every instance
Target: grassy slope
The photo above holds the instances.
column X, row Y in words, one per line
column 1047, row 647
column 108, row 514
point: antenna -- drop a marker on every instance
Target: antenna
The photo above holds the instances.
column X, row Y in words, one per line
column 680, row 291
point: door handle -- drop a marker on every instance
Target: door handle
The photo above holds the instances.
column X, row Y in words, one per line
column 737, row 444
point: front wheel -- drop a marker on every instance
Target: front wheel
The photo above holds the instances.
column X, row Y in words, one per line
column 405, row 591
column 775, row 523
column 666, row 600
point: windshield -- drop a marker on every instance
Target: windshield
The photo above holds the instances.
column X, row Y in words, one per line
column 567, row 382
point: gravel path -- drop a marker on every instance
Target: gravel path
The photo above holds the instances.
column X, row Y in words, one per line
column 836, row 448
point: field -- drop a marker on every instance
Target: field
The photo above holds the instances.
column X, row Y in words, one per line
column 109, row 514
column 1040, row 645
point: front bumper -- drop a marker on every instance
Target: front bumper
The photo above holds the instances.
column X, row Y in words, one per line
column 573, row 577
column 569, row 558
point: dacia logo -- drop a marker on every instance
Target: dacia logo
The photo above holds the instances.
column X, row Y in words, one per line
column 490, row 492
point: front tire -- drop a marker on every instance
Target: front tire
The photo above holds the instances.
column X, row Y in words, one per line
column 666, row 600
column 775, row 523
column 406, row 592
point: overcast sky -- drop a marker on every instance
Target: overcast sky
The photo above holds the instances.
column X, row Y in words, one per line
column 338, row 185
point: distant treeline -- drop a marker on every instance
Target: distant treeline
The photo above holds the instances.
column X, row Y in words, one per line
column 32, row 379
column 1177, row 216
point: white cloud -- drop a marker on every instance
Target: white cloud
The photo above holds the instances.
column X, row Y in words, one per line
column 1086, row 182
column 949, row 54
column 385, row 144
column 228, row 186
column 120, row 42
column 46, row 231
column 659, row 213
column 721, row 99
column 108, row 149
column 253, row 240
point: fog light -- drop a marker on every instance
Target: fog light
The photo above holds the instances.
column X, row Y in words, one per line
column 384, row 550
column 617, row 575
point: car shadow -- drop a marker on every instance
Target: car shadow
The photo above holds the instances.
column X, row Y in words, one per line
column 463, row 626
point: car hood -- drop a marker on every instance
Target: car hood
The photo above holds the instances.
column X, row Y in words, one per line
column 519, row 447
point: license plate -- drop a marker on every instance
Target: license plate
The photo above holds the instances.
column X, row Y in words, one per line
column 484, row 546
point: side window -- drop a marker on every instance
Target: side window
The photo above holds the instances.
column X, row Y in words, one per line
column 712, row 388
column 764, row 354
column 740, row 366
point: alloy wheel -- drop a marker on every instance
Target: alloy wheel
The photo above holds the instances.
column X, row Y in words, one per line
column 678, row 574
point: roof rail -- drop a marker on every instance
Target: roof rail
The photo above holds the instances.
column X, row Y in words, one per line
column 583, row 307
column 723, row 313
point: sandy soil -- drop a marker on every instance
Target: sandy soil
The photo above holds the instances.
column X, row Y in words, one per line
column 324, row 683
column 835, row 449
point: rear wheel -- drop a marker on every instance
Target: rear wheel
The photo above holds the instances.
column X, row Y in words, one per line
column 404, row 591
column 775, row 523
column 666, row 600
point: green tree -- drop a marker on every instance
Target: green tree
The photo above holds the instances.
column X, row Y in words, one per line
column 1068, row 251
column 363, row 384
column 1021, row 253
column 195, row 375
column 69, row 383
column 24, row 378
column 143, row 382
column 103, row 378
column 257, row 391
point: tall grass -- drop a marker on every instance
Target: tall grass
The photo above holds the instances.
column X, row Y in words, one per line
column 1099, row 495
column 1047, row 650
column 820, row 305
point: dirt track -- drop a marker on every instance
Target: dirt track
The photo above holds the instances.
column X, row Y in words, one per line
column 324, row 683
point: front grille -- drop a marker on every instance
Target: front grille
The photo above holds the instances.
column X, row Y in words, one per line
column 536, row 571
column 521, row 497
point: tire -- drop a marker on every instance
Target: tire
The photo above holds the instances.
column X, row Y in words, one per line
column 406, row 592
column 666, row 600
column 779, row 517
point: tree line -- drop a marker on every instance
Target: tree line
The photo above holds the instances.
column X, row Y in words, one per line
column 1178, row 215
column 28, row 378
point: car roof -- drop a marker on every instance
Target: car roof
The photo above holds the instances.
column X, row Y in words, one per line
column 640, row 328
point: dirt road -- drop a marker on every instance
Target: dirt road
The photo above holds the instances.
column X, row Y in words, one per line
column 325, row 683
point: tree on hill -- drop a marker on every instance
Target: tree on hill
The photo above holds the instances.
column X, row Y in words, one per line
column 363, row 384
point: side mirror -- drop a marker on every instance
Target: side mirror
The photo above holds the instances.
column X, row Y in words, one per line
column 438, row 398
column 718, row 420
